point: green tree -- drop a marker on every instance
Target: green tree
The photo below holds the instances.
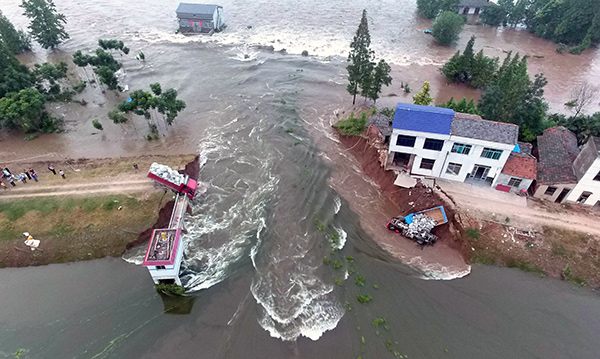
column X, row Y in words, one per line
column 493, row 15
column 513, row 98
column 381, row 76
column 447, row 27
column 116, row 117
column 432, row 8
column 47, row 25
column 582, row 125
column 483, row 70
column 156, row 88
column 423, row 97
column 462, row 106
column 16, row 41
column 22, row 110
column 170, row 105
column 361, row 67
column 14, row 76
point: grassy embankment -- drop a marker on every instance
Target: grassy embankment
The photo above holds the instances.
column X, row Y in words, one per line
column 570, row 255
column 83, row 226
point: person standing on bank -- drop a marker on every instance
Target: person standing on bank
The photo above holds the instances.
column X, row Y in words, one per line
column 62, row 174
column 11, row 181
column 33, row 174
column 27, row 174
column 51, row 168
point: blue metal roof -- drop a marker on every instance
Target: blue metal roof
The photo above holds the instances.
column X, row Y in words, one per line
column 423, row 118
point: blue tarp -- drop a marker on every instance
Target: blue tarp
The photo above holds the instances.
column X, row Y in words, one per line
column 409, row 218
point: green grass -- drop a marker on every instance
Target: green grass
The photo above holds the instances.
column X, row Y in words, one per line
column 16, row 209
column 483, row 258
column 353, row 126
column 560, row 251
column 365, row 298
column 525, row 266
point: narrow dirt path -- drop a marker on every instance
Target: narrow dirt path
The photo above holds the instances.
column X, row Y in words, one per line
column 73, row 189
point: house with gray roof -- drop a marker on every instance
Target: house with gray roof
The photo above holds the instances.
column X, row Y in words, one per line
column 200, row 18
column 567, row 174
column 439, row 142
column 472, row 8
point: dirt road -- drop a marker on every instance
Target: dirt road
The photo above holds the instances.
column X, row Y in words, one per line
column 31, row 190
column 522, row 213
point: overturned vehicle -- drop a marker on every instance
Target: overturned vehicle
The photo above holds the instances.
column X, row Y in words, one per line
column 417, row 226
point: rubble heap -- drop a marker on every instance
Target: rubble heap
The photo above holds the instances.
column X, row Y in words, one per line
column 166, row 173
column 421, row 226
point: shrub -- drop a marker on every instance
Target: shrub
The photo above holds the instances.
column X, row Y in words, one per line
column 473, row 233
column 447, row 27
column 365, row 298
column 561, row 48
column 525, row 266
column 97, row 125
column 353, row 126
column 360, row 281
column 326, row 261
column 79, row 87
column 170, row 288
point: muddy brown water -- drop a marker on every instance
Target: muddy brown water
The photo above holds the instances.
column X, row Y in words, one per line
column 280, row 188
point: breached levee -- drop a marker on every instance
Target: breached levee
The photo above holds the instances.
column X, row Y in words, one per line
column 308, row 309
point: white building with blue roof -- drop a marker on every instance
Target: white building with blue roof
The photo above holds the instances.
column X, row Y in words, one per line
column 439, row 142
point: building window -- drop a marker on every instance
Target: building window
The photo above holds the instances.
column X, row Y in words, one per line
column 491, row 153
column 406, row 141
column 161, row 267
column 514, row 182
column 597, row 178
column 584, row 196
column 453, row 168
column 550, row 191
column 461, row 148
column 427, row 164
column 431, row 144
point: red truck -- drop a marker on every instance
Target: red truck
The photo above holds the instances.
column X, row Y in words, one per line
column 188, row 186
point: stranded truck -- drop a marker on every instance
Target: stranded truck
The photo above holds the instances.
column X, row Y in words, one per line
column 417, row 226
column 172, row 179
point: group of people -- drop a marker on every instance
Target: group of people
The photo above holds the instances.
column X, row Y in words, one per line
column 24, row 176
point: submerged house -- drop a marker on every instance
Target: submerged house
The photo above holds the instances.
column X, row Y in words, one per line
column 472, row 8
column 200, row 18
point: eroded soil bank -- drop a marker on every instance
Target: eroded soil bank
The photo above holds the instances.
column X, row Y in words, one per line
column 559, row 253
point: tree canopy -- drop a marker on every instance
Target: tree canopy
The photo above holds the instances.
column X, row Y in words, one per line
column 573, row 22
column 360, row 58
column 364, row 76
column 423, row 97
column 447, row 27
column 16, row 41
column 47, row 25
column 475, row 70
column 462, row 106
column 513, row 98
column 432, row 8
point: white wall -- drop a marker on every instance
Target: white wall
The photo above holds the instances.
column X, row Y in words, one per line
column 170, row 272
column 443, row 157
column 587, row 184
column 540, row 191
column 504, row 179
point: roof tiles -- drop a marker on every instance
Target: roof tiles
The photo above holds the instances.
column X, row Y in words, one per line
column 473, row 126
column 557, row 149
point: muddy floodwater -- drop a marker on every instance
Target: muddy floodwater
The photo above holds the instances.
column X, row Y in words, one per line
column 280, row 188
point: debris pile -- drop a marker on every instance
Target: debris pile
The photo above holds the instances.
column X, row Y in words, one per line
column 166, row 173
column 419, row 229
